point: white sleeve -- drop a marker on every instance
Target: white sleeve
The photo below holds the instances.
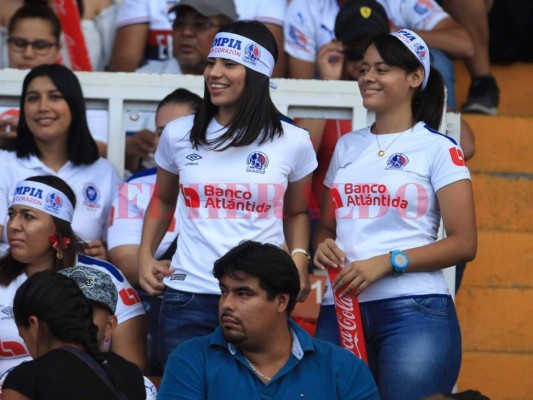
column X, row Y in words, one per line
column 115, row 181
column 98, row 124
column 305, row 157
column 448, row 165
column 105, row 24
column 334, row 163
column 422, row 14
column 129, row 304
column 127, row 217
column 300, row 31
column 164, row 153
column 133, row 12
column 271, row 12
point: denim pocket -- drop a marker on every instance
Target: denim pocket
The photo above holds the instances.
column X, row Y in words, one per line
column 433, row 306
column 176, row 299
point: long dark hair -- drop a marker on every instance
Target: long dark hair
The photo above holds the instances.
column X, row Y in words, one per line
column 427, row 104
column 81, row 147
column 257, row 117
column 58, row 301
column 10, row 268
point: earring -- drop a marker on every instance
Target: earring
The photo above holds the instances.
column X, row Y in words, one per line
column 59, row 249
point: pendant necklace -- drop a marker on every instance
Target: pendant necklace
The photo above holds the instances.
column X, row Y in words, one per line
column 381, row 152
column 257, row 372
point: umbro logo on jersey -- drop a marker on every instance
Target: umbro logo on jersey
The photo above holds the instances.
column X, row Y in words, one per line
column 193, row 157
column 7, row 312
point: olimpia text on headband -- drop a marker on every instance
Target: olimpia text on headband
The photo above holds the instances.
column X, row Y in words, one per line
column 44, row 198
column 243, row 51
column 418, row 47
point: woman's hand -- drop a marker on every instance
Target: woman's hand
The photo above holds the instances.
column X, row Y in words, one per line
column 330, row 61
column 356, row 277
column 96, row 249
column 302, row 264
column 328, row 254
column 151, row 274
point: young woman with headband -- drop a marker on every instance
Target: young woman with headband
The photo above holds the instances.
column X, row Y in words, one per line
column 55, row 320
column 241, row 173
column 41, row 237
column 387, row 188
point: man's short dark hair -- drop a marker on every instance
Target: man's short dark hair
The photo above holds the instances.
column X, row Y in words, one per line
column 275, row 269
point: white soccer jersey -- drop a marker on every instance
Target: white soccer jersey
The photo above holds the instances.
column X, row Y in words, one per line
column 94, row 186
column 310, row 24
column 127, row 215
column 155, row 14
column 268, row 12
column 12, row 348
column 389, row 203
column 97, row 120
column 228, row 196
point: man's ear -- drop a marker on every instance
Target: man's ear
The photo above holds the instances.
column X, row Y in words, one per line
column 110, row 325
column 283, row 302
column 416, row 78
column 34, row 325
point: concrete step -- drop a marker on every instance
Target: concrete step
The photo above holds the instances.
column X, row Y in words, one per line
column 503, row 144
column 501, row 376
column 504, row 260
column 504, row 202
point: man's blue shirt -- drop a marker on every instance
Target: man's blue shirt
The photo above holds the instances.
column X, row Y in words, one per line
column 208, row 367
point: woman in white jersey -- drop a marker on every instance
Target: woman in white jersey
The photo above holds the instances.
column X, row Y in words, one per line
column 386, row 190
column 53, row 138
column 41, row 238
column 241, row 173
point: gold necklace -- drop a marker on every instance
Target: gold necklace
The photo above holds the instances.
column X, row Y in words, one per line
column 381, row 152
column 257, row 372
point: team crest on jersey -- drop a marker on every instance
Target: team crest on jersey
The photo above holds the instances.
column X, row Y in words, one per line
column 257, row 162
column 7, row 313
column 397, row 161
column 53, row 203
column 251, row 54
column 297, row 37
column 91, row 194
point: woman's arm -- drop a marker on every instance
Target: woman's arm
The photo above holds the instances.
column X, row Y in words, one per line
column 327, row 253
column 157, row 219
column 456, row 203
column 126, row 259
column 297, row 228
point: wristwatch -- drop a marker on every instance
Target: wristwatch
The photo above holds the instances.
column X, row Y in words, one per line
column 399, row 261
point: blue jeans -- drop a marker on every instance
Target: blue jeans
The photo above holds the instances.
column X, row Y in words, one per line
column 152, row 306
column 413, row 345
column 185, row 316
column 444, row 65
column 326, row 325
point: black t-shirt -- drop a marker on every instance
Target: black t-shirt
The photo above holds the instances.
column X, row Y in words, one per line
column 60, row 374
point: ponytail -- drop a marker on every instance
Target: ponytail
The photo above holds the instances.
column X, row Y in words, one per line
column 428, row 104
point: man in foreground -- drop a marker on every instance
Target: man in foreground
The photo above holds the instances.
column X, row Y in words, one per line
column 257, row 350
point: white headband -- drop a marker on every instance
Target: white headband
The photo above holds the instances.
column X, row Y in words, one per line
column 243, row 51
column 44, row 198
column 418, row 47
